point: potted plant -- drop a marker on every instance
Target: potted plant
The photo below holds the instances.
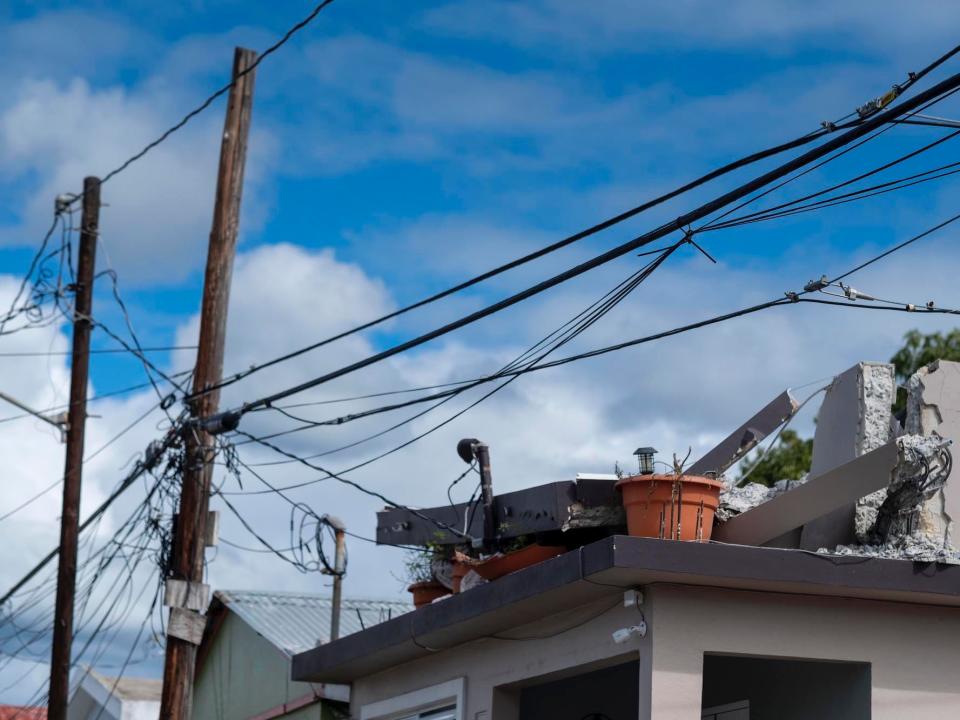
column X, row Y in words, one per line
column 424, row 587
column 518, row 554
column 670, row 506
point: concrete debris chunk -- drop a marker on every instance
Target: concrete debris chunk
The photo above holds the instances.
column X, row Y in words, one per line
column 933, row 408
column 915, row 547
column 736, row 500
column 924, row 465
column 854, row 419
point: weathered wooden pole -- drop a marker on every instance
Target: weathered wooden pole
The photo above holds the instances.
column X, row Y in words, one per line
column 72, row 475
column 185, row 627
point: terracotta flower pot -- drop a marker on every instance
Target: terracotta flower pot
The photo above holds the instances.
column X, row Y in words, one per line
column 426, row 592
column 668, row 507
column 503, row 564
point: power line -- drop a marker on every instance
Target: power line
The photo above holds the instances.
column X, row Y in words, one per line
column 885, row 166
column 826, row 128
column 790, row 298
column 100, row 351
column 679, row 224
column 222, row 91
column 96, row 398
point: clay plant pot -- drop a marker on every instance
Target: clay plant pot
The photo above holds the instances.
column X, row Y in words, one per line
column 670, row 507
column 426, row 592
column 503, row 564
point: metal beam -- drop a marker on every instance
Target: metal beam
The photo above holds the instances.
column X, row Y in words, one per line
column 545, row 508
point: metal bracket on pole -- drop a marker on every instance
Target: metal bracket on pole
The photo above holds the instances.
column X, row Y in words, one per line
column 58, row 421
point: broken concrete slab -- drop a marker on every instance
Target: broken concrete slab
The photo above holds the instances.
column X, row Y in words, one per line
column 933, row 408
column 742, row 440
column 818, row 496
column 854, row 419
column 925, row 464
column 736, row 500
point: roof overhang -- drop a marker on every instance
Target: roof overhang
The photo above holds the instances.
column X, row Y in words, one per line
column 575, row 578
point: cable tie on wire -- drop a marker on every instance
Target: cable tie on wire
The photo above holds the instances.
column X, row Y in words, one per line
column 792, row 296
column 828, row 125
column 688, row 238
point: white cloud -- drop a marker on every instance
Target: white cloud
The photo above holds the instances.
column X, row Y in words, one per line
column 770, row 26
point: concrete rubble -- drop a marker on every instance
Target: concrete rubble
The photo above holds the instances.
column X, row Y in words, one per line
column 855, row 417
column 933, row 408
column 912, row 517
column 736, row 500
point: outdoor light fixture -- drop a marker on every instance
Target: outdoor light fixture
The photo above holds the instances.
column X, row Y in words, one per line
column 645, row 459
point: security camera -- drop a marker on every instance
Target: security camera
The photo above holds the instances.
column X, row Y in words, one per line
column 624, row 634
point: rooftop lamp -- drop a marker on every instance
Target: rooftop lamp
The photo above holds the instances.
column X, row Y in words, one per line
column 645, row 459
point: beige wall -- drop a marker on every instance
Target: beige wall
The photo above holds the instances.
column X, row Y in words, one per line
column 914, row 651
column 493, row 663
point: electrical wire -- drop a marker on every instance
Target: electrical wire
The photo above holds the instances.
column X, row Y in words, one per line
column 686, row 220
column 222, row 91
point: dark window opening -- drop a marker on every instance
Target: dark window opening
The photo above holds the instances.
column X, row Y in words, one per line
column 781, row 689
column 611, row 693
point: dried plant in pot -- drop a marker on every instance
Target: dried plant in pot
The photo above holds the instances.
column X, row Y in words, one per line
column 521, row 553
column 670, row 506
column 424, row 587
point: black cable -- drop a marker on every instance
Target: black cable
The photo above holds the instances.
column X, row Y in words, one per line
column 853, row 196
column 94, row 398
column 869, row 138
column 790, row 299
column 561, row 336
column 742, row 162
column 140, row 468
column 223, row 90
column 742, row 191
column 885, row 166
column 98, row 351
column 895, row 248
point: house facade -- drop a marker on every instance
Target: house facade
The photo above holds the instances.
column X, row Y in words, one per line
column 243, row 664
column 629, row 628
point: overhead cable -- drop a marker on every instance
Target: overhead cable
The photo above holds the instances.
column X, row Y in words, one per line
column 680, row 223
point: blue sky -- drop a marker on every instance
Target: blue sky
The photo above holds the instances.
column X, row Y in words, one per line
column 398, row 148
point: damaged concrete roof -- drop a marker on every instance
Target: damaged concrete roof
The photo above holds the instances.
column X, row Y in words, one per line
column 574, row 578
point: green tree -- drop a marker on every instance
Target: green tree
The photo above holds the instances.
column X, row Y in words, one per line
column 919, row 350
column 789, row 459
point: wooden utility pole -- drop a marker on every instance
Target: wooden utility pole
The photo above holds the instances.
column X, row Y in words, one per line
column 76, row 422
column 186, row 593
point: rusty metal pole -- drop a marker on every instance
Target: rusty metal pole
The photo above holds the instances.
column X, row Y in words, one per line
column 185, row 627
column 482, row 451
column 77, row 416
column 339, row 570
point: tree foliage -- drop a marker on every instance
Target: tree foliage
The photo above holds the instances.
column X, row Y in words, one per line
column 920, row 350
column 789, row 459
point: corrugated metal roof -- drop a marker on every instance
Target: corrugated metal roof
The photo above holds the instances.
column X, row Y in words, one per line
column 295, row 622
